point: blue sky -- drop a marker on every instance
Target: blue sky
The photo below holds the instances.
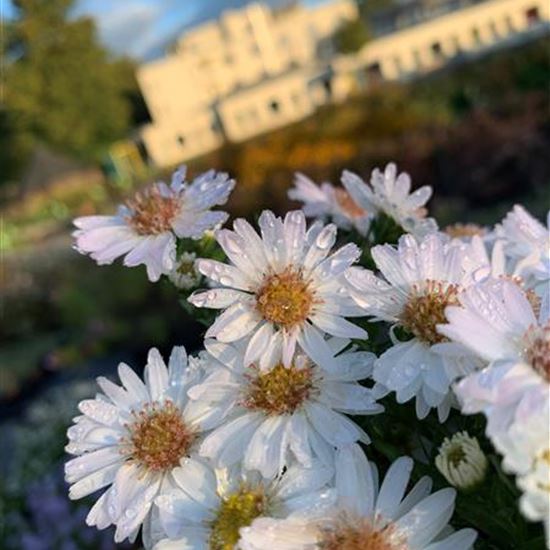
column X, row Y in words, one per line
column 141, row 28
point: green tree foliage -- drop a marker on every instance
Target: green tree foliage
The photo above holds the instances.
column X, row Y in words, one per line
column 62, row 89
column 368, row 7
column 351, row 36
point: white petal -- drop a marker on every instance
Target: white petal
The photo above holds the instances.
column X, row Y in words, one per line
column 198, row 481
column 234, row 323
column 354, row 482
column 226, row 444
column 258, row 343
column 320, row 247
column 461, row 540
column 336, row 428
column 93, row 482
column 80, row 467
column 218, row 298
column 393, row 487
column 100, row 411
column 297, row 480
column 132, row 382
column 119, row 396
column 427, row 518
column 265, row 452
column 156, row 375
column 337, row 326
column 226, row 275
column 98, row 516
column 315, row 346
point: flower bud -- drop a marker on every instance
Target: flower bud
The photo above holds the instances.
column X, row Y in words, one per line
column 461, row 461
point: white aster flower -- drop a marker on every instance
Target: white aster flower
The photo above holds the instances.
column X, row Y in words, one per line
column 285, row 282
column 208, row 507
column 131, row 438
column 527, row 243
column 389, row 193
column 327, row 201
column 273, row 416
column 526, row 449
column 146, row 228
column 461, row 461
column 364, row 516
column 498, row 322
column 420, row 280
column 185, row 275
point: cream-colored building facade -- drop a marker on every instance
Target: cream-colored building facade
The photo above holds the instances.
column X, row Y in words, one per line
column 254, row 69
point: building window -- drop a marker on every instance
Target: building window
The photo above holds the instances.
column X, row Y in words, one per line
column 476, row 36
column 456, row 45
column 494, row 31
column 181, row 140
column 241, row 119
column 374, row 72
column 509, row 24
column 417, row 59
column 532, row 15
column 398, row 65
column 437, row 51
column 274, row 106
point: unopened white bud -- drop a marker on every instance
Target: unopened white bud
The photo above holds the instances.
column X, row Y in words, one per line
column 184, row 275
column 461, row 461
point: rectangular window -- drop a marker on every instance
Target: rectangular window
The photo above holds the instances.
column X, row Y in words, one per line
column 374, row 72
column 437, row 51
column 417, row 59
column 532, row 15
column 398, row 65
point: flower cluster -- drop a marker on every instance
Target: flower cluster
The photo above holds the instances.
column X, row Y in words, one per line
column 255, row 441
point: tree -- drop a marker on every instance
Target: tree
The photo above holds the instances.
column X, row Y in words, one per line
column 62, row 89
column 351, row 36
column 368, row 7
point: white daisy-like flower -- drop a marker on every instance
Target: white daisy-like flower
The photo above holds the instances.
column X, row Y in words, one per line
column 461, row 461
column 146, row 228
column 207, row 512
column 389, row 193
column 285, row 282
column 185, row 275
column 327, row 201
column 527, row 243
column 498, row 322
column 271, row 417
column 526, row 449
column 130, row 438
column 420, row 280
column 365, row 516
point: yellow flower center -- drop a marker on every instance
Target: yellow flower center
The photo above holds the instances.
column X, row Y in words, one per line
column 361, row 534
column 347, row 204
column 537, row 351
column 279, row 391
column 425, row 309
column 152, row 213
column 237, row 510
column 456, row 455
column 459, row 230
column 285, row 299
column 159, row 437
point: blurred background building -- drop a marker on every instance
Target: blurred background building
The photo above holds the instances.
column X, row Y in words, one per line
column 258, row 68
